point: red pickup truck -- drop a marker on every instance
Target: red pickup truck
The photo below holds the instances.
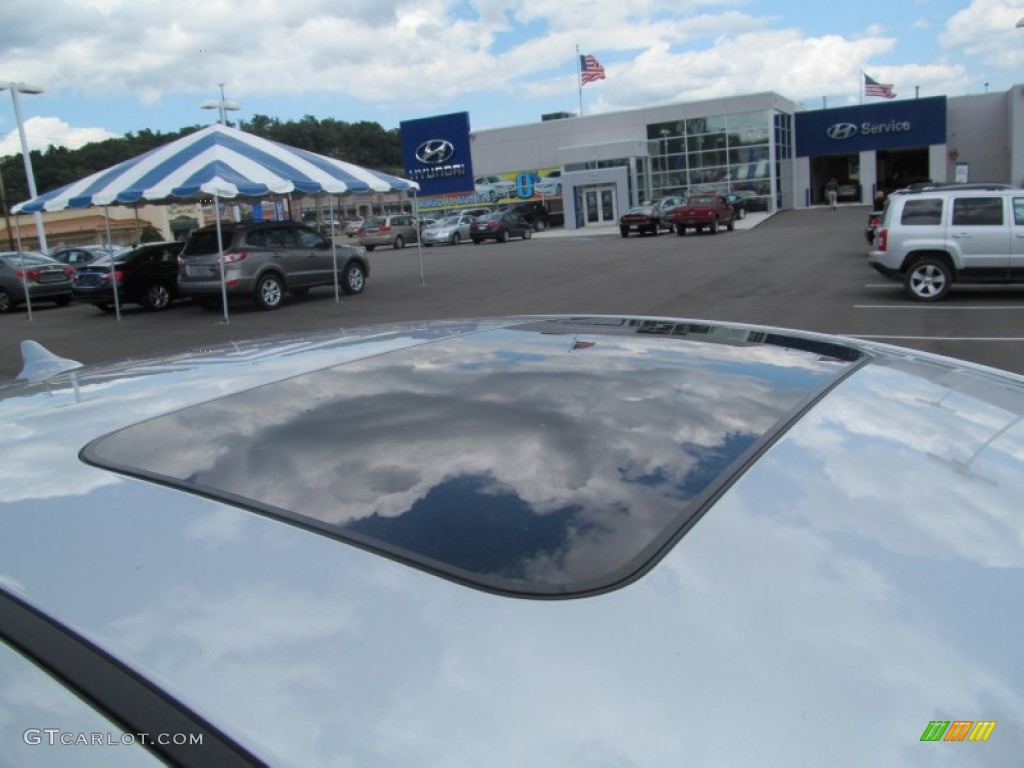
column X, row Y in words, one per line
column 703, row 210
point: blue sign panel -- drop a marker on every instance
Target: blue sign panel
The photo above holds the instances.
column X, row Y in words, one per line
column 435, row 153
column 867, row 127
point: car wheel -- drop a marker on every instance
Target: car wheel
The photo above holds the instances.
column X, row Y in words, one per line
column 680, row 230
column 354, row 279
column 741, row 213
column 504, row 235
column 6, row 304
column 456, row 238
column 269, row 292
column 624, row 232
column 369, row 247
column 655, row 230
column 928, row 279
column 476, row 241
column 63, row 301
column 399, row 242
column 156, row 297
column 540, row 225
column 714, row 227
column 298, row 291
column 105, row 308
column 732, row 224
column 527, row 233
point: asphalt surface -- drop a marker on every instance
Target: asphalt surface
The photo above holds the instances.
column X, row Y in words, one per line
column 798, row 269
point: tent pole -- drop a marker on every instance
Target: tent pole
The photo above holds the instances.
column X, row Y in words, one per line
column 24, row 282
column 334, row 247
column 138, row 233
column 113, row 266
column 419, row 232
column 220, row 258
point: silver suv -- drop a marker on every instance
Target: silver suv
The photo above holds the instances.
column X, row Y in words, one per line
column 395, row 230
column 933, row 236
column 265, row 260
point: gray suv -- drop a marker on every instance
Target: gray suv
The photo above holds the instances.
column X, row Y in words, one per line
column 932, row 236
column 265, row 260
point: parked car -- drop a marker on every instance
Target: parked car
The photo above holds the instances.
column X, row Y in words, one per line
column 932, row 236
column 500, row 226
column 47, row 279
column 538, row 541
column 476, row 213
column 80, row 255
column 537, row 214
column 494, row 188
column 147, row 275
column 664, row 206
column 738, row 203
column 705, row 210
column 451, row 230
column 395, row 229
column 264, row 260
column 352, row 227
column 642, row 219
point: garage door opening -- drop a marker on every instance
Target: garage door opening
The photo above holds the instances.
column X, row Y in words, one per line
column 845, row 169
column 896, row 168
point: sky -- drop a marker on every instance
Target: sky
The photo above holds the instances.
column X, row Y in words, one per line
column 108, row 67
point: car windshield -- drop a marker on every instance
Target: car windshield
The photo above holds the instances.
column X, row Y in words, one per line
column 490, row 217
column 451, row 221
column 640, row 210
column 702, row 201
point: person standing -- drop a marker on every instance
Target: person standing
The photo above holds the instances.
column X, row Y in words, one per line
column 832, row 192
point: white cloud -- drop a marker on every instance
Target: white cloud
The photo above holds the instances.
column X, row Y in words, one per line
column 41, row 132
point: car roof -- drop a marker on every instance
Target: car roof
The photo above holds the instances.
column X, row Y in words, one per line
column 871, row 546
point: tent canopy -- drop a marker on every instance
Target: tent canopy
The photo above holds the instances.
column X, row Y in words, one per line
column 217, row 161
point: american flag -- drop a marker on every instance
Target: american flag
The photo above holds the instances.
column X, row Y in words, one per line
column 875, row 88
column 590, row 70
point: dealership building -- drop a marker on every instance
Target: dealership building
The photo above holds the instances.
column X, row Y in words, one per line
column 763, row 146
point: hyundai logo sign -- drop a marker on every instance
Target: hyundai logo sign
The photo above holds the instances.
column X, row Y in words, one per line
column 435, row 151
column 841, row 131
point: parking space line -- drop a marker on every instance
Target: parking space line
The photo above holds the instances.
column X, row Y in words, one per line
column 936, row 338
column 973, row 308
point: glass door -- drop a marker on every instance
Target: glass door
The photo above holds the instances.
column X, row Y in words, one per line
column 599, row 205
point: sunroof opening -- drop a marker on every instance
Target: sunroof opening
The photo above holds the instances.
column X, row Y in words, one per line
column 549, row 459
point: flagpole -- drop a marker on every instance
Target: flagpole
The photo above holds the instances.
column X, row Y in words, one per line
column 861, row 87
column 579, row 80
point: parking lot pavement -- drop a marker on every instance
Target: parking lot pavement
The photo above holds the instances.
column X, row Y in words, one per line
column 750, row 221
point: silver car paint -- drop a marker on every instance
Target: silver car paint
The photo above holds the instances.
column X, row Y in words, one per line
column 860, row 580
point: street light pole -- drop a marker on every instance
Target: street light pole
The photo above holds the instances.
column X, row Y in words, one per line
column 223, row 105
column 15, row 89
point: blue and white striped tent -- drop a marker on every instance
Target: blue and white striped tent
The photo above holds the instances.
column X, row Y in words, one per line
column 219, row 162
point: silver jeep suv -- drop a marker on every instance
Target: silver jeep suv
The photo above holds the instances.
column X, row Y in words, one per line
column 264, row 260
column 933, row 236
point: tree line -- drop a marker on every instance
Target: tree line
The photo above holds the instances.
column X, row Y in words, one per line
column 363, row 143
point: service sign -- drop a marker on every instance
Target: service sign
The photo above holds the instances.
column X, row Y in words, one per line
column 867, row 127
column 435, row 154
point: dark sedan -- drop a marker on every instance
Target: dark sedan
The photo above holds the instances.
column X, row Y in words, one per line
column 738, row 204
column 147, row 275
column 642, row 219
column 46, row 279
column 501, row 226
